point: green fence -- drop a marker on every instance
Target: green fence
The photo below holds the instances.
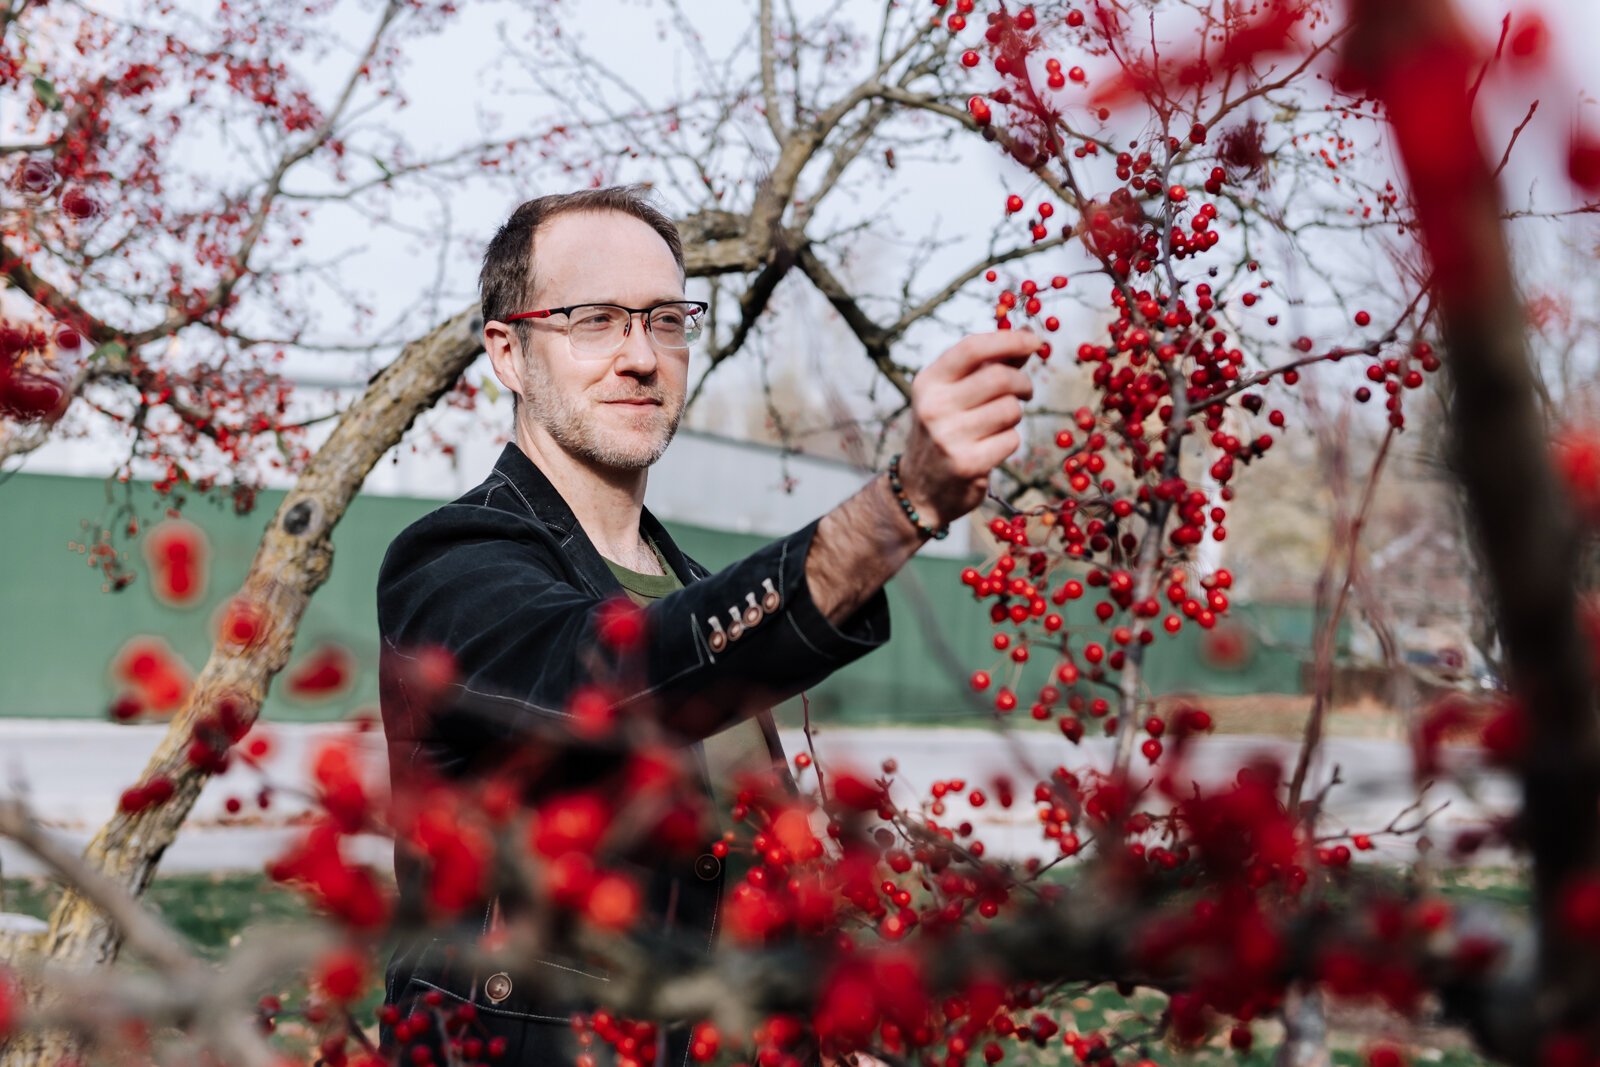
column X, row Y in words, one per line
column 61, row 633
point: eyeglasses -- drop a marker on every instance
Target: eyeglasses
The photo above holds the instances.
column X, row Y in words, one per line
column 597, row 331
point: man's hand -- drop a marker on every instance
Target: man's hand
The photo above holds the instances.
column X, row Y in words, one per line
column 965, row 408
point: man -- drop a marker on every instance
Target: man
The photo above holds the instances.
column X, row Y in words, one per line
column 588, row 327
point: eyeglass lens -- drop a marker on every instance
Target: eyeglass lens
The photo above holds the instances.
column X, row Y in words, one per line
column 598, row 330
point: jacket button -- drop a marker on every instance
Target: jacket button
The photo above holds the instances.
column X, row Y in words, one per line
column 769, row 602
column 753, row 613
column 736, row 627
column 717, row 639
column 707, row 866
column 497, row 987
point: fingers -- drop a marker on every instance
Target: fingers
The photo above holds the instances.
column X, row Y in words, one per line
column 979, row 349
column 939, row 402
column 984, row 421
column 993, row 451
column 994, row 380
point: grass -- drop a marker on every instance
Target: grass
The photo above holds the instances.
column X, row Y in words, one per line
column 214, row 911
column 210, row 910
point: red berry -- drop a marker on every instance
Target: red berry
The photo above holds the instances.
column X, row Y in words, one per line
column 78, row 204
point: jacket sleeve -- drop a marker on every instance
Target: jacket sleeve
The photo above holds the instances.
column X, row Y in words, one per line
column 485, row 586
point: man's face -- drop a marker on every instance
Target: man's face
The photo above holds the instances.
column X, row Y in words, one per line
column 617, row 412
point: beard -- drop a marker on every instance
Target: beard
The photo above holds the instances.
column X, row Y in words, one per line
column 573, row 424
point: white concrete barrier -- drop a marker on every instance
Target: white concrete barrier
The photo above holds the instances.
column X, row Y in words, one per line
column 73, row 774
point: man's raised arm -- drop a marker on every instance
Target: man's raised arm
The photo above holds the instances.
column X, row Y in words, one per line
column 965, row 408
column 485, row 584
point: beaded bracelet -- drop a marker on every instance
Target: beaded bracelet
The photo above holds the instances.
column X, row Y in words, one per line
column 906, row 505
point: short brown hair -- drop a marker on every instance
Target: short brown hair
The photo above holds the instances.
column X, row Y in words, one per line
column 507, row 282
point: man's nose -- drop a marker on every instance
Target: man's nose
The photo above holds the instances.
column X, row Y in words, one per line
column 637, row 355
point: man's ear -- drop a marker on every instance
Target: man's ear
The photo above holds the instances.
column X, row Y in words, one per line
column 500, row 341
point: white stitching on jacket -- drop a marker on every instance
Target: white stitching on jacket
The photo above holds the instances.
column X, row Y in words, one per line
column 479, row 692
column 517, row 490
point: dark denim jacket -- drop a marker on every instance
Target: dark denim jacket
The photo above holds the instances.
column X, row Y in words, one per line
column 506, row 581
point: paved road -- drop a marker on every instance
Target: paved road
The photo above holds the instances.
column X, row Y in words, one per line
column 74, row 772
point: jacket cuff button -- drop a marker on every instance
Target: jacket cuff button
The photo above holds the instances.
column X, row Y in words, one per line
column 497, row 987
column 770, row 601
column 707, row 866
column 735, row 628
column 717, row 639
column 753, row 613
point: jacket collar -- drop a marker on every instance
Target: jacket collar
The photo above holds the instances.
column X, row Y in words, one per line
column 549, row 508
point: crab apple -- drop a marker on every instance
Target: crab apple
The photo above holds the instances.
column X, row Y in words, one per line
column 620, row 623
column 156, row 674
column 1014, row 204
column 78, row 205
column 243, row 622
column 35, row 176
column 978, row 108
column 125, row 707
column 341, row 974
column 613, row 902
column 28, row 396
column 969, row 58
column 325, row 672
column 705, row 1042
column 1583, row 161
